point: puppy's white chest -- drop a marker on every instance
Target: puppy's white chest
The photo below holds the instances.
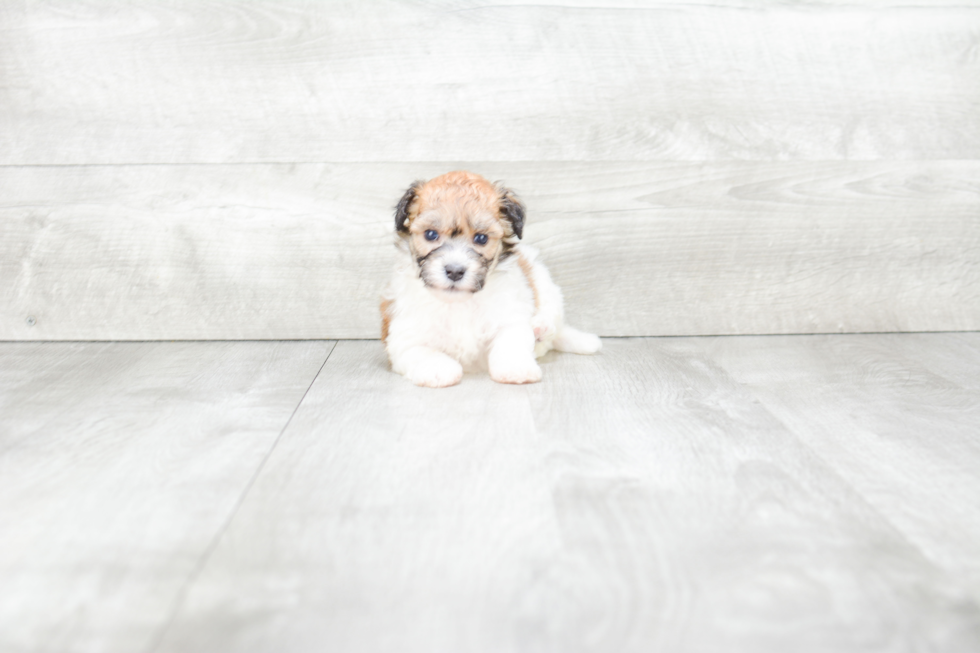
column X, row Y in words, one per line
column 464, row 327
column 461, row 331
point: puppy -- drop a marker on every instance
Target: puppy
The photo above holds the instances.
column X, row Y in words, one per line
column 466, row 294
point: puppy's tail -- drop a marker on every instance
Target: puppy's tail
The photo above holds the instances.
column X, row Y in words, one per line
column 576, row 342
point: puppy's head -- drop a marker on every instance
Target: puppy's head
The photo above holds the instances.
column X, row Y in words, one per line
column 458, row 227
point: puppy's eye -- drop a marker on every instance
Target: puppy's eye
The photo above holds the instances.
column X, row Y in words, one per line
column 480, row 239
column 431, row 234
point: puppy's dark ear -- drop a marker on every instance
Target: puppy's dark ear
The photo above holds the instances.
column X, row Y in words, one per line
column 512, row 210
column 404, row 206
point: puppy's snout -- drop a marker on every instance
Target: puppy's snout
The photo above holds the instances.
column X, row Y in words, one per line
column 455, row 272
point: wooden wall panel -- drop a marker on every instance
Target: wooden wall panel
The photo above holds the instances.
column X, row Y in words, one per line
column 296, row 81
column 225, row 169
column 302, row 250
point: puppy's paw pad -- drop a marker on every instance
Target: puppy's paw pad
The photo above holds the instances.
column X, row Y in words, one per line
column 437, row 374
column 529, row 372
column 543, row 328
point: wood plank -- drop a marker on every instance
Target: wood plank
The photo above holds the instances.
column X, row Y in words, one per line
column 272, row 81
column 302, row 251
column 639, row 500
column 119, row 464
column 897, row 415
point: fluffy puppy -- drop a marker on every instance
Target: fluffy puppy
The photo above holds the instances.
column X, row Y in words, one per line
column 466, row 294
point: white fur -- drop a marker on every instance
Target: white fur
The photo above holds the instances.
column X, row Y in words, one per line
column 436, row 335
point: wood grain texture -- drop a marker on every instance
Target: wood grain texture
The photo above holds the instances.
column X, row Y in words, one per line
column 271, row 81
column 119, row 464
column 302, row 251
column 639, row 500
column 897, row 416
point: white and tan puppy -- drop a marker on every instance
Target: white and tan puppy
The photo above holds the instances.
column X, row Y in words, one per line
column 466, row 295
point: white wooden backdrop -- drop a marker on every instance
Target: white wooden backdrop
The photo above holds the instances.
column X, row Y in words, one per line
column 207, row 169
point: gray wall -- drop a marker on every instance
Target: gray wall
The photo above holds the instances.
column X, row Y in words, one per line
column 203, row 169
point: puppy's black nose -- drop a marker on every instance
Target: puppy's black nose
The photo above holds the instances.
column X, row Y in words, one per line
column 455, row 271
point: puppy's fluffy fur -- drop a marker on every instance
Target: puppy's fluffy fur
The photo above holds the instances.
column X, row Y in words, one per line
column 466, row 294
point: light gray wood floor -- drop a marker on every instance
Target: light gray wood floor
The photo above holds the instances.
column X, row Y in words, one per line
column 770, row 493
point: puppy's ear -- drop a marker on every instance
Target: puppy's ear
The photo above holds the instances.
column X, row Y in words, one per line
column 403, row 210
column 511, row 210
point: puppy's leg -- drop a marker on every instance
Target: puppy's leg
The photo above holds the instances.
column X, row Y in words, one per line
column 427, row 367
column 549, row 323
column 574, row 341
column 547, row 317
column 511, row 357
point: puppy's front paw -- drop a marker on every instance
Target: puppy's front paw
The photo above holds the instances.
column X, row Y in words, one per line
column 436, row 372
column 523, row 370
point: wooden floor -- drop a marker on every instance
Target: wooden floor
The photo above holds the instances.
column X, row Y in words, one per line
column 771, row 493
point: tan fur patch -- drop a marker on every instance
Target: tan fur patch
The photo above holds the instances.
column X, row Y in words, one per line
column 467, row 192
column 385, row 318
column 526, row 269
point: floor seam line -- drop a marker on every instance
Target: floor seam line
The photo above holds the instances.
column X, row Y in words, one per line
column 760, row 334
column 213, row 544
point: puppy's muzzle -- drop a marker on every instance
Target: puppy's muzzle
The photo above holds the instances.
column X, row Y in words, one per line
column 453, row 266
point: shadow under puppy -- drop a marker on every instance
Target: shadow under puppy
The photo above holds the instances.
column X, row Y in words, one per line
column 466, row 294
